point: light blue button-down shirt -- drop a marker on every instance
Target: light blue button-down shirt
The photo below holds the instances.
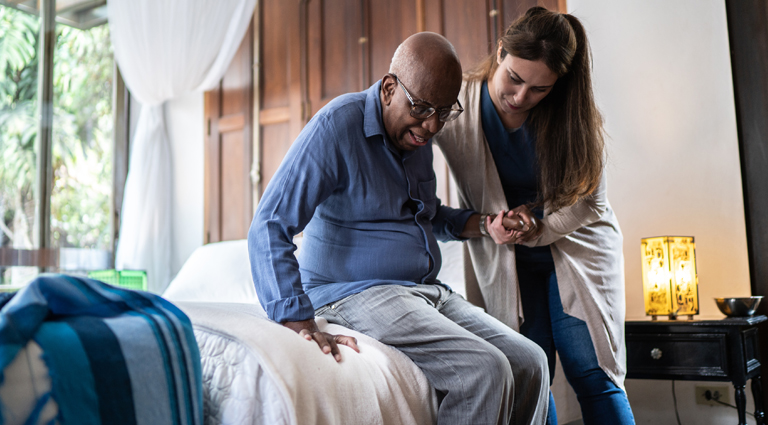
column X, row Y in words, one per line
column 370, row 214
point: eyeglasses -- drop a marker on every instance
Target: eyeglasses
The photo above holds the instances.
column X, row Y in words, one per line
column 422, row 111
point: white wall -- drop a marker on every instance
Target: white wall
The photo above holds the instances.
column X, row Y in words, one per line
column 663, row 82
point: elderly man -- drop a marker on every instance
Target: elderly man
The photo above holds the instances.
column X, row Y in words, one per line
column 359, row 182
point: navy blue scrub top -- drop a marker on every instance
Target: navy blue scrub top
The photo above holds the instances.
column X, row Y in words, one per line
column 514, row 152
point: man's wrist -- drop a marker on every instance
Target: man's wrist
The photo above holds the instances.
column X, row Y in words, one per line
column 297, row 326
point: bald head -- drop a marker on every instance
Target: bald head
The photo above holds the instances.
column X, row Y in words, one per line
column 428, row 59
column 430, row 77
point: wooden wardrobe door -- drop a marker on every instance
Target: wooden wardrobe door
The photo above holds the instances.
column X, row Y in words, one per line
column 280, row 92
column 229, row 117
column 351, row 43
column 337, row 39
column 390, row 22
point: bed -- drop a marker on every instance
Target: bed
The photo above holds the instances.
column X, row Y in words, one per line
column 256, row 371
column 378, row 386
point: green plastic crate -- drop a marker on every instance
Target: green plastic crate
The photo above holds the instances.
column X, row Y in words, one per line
column 128, row 279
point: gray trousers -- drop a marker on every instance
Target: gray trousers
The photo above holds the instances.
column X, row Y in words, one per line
column 488, row 373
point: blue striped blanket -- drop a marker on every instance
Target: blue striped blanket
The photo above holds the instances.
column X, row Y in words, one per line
column 115, row 356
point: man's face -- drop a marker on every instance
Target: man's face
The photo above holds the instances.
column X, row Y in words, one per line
column 406, row 132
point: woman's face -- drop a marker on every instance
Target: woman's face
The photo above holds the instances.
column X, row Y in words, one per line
column 518, row 85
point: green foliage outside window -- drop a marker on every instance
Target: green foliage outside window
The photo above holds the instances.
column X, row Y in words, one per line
column 82, row 139
column 18, row 125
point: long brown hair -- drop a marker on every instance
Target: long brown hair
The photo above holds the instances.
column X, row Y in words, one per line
column 568, row 125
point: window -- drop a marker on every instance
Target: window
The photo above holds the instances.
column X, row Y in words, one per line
column 82, row 138
column 70, row 208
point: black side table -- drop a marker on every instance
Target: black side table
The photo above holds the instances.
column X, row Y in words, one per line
column 699, row 350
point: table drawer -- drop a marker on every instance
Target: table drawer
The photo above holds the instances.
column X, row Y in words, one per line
column 677, row 355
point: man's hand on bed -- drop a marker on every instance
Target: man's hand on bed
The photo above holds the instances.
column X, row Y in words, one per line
column 328, row 342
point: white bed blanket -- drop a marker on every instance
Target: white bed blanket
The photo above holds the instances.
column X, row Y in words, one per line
column 256, row 371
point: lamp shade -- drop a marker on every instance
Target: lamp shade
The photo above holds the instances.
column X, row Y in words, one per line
column 670, row 282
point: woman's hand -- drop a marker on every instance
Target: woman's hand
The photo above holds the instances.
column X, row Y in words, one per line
column 531, row 226
column 504, row 227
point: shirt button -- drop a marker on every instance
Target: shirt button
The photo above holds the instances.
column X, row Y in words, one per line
column 333, row 307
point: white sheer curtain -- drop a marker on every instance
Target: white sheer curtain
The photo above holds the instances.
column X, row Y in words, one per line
column 164, row 48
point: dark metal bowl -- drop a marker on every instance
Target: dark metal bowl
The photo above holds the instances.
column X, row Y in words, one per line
column 738, row 307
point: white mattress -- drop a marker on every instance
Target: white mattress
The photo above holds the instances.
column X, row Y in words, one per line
column 256, row 371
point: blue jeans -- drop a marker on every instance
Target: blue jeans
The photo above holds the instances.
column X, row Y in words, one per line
column 601, row 401
column 487, row 373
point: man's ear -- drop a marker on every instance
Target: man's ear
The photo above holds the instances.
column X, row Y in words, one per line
column 388, row 87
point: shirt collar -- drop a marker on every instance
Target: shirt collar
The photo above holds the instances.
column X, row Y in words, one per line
column 374, row 124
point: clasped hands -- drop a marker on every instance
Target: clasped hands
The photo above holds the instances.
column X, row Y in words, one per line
column 515, row 226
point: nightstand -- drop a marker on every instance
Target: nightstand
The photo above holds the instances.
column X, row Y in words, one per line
column 699, row 350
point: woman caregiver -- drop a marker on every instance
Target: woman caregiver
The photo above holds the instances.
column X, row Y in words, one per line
column 531, row 146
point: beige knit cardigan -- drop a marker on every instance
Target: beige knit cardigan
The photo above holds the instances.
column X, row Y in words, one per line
column 585, row 239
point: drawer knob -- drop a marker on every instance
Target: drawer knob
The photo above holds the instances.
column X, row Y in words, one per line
column 655, row 354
